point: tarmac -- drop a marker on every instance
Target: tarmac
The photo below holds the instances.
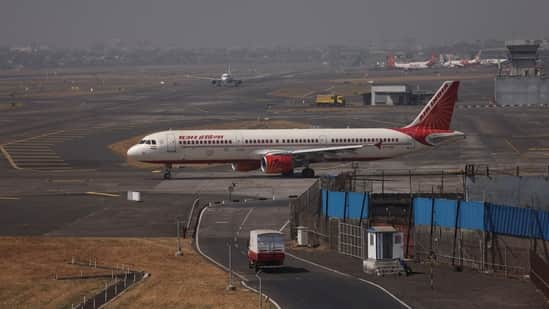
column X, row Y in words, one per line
column 55, row 152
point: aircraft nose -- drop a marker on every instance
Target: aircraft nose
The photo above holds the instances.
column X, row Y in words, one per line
column 134, row 153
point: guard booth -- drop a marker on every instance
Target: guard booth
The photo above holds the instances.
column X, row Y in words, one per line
column 385, row 251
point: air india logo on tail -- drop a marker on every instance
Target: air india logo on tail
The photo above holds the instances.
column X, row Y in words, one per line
column 391, row 61
column 437, row 114
column 432, row 124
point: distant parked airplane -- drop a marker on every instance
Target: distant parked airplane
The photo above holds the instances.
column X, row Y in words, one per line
column 391, row 63
column 460, row 62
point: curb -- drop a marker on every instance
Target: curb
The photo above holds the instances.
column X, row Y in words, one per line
column 400, row 301
column 243, row 279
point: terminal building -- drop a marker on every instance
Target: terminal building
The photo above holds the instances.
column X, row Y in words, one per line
column 523, row 82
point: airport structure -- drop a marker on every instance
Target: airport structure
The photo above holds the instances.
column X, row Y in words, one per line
column 390, row 95
column 524, row 83
column 395, row 95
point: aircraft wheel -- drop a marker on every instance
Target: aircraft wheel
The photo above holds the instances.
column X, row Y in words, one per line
column 289, row 173
column 308, row 173
column 167, row 175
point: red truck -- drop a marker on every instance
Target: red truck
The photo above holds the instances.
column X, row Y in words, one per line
column 266, row 248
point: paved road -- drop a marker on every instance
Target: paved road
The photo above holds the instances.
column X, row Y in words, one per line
column 298, row 284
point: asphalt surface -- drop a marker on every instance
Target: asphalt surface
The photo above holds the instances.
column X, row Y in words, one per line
column 60, row 146
column 297, row 284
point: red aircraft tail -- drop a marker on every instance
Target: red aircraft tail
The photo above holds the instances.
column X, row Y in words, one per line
column 437, row 114
column 391, row 61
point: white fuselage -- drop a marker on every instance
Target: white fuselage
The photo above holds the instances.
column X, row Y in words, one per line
column 413, row 65
column 232, row 146
column 493, row 61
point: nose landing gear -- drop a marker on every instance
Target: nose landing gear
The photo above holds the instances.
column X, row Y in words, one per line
column 168, row 171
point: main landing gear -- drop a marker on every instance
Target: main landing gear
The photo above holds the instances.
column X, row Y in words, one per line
column 308, row 172
column 168, row 171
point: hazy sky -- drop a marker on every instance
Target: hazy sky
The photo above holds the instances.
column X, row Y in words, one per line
column 258, row 23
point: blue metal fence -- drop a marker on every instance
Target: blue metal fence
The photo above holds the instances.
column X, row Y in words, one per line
column 516, row 221
column 499, row 219
column 471, row 215
column 345, row 205
column 422, row 210
column 445, row 212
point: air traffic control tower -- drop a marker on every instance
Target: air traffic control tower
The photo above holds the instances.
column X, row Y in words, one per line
column 524, row 83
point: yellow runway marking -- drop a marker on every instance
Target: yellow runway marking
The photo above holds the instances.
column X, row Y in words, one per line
column 538, row 149
column 52, row 168
column 37, row 155
column 532, row 136
column 25, row 146
column 8, row 157
column 35, row 137
column 8, row 198
column 200, row 109
column 103, row 194
column 43, row 160
column 68, row 181
column 512, row 146
column 41, row 148
column 37, row 145
column 43, row 163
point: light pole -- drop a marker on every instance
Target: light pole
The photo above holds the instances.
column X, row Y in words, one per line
column 230, row 286
column 260, row 291
column 178, row 252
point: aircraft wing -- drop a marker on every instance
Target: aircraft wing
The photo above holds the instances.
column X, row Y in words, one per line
column 325, row 150
column 199, row 77
column 312, row 153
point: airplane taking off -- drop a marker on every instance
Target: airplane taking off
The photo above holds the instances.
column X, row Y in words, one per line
column 226, row 79
column 281, row 151
column 391, row 63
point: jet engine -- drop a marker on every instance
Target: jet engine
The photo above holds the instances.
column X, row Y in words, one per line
column 274, row 164
column 246, row 166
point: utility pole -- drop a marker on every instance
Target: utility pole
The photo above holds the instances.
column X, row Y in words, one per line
column 178, row 252
column 260, row 291
column 230, row 286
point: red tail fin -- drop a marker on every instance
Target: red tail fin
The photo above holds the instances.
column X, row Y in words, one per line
column 437, row 114
column 391, row 61
column 433, row 60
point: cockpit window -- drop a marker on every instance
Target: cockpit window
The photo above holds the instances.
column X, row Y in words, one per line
column 148, row 142
column 153, row 142
column 142, row 142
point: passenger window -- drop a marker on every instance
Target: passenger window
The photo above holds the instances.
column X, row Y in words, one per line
column 179, row 142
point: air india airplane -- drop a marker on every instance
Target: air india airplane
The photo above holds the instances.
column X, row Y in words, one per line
column 391, row 63
column 282, row 151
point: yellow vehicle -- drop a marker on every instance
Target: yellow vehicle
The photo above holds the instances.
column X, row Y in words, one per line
column 330, row 100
